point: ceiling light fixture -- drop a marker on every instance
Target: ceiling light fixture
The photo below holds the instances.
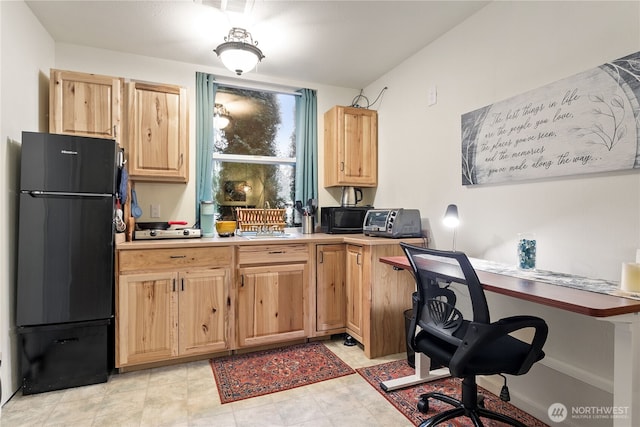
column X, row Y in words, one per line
column 221, row 117
column 239, row 53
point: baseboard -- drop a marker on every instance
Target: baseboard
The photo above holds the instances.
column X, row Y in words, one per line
column 604, row 384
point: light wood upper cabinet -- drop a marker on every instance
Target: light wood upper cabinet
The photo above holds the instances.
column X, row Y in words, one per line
column 331, row 294
column 157, row 132
column 350, row 147
column 85, row 104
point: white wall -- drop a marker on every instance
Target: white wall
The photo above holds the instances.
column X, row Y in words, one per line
column 177, row 201
column 25, row 57
column 585, row 225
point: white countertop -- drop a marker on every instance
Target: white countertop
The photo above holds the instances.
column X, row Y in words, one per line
column 296, row 237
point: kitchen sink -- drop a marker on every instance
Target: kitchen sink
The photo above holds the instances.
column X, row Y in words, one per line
column 265, row 236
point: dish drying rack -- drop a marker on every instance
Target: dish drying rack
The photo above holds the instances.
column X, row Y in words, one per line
column 261, row 220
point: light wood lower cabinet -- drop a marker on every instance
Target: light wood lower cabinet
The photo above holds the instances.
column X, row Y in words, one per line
column 181, row 309
column 202, row 309
column 272, row 287
column 377, row 296
column 331, row 293
column 354, row 287
column 147, row 316
column 176, row 303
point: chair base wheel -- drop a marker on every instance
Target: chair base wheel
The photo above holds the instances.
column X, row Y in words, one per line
column 423, row 405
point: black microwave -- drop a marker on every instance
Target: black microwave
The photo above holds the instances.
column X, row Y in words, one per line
column 343, row 219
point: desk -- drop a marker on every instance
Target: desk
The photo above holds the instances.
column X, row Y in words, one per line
column 624, row 313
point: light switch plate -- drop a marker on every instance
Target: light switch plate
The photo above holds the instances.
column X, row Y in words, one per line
column 432, row 96
column 155, row 211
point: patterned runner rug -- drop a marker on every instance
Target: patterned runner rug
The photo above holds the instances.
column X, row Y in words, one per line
column 406, row 399
column 255, row 374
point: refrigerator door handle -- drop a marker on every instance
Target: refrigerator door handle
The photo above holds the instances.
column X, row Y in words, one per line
column 37, row 193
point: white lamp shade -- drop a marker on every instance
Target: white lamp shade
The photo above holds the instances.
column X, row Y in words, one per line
column 239, row 61
column 451, row 218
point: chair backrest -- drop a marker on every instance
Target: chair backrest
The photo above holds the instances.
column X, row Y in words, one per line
column 455, row 340
column 432, row 267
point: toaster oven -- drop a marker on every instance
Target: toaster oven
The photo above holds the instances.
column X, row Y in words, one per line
column 393, row 223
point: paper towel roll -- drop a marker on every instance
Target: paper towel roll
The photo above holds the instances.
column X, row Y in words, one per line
column 630, row 277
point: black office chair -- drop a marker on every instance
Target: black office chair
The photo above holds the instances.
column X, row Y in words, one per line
column 467, row 347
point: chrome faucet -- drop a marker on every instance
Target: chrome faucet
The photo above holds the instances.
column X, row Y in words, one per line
column 265, row 228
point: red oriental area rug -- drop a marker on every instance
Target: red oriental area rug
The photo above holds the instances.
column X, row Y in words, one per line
column 406, row 399
column 255, row 374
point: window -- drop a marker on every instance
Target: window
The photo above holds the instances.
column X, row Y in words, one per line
column 254, row 155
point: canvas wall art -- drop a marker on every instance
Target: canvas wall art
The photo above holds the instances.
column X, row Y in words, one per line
column 586, row 123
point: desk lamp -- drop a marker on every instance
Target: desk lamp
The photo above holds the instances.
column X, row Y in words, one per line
column 452, row 220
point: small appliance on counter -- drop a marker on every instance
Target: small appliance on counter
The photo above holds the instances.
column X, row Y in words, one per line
column 343, row 219
column 351, row 196
column 394, row 223
column 163, row 230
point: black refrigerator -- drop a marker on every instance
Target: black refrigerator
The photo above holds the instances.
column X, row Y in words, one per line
column 65, row 280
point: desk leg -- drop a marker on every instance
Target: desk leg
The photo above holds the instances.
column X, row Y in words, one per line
column 422, row 375
column 626, row 370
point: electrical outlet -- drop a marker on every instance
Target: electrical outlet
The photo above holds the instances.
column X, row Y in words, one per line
column 155, row 211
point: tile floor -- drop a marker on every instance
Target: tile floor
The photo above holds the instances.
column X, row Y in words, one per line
column 186, row 395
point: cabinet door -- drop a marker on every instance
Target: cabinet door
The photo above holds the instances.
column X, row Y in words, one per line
column 351, row 147
column 203, row 311
column 358, row 150
column 157, row 132
column 354, row 288
column 84, row 104
column 271, row 303
column 146, row 317
column 331, row 294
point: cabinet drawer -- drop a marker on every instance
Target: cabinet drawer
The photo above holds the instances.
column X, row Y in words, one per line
column 172, row 259
column 266, row 254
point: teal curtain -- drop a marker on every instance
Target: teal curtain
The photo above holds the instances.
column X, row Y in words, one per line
column 206, row 88
column 306, row 146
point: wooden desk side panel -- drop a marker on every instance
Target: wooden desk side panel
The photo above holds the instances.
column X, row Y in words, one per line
column 391, row 292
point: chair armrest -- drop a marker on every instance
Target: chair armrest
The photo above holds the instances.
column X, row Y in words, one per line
column 479, row 335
